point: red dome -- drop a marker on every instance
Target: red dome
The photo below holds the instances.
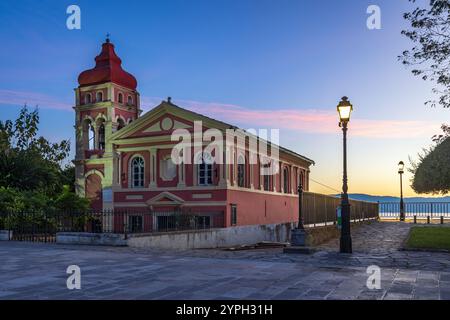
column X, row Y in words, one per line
column 107, row 69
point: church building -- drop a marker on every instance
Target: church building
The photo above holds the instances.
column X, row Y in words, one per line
column 123, row 158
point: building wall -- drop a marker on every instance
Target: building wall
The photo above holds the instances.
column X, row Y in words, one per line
column 256, row 207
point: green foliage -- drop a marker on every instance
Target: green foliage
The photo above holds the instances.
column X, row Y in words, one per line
column 28, row 222
column 31, row 177
column 432, row 172
column 28, row 162
column 69, row 201
column 441, row 137
column 14, row 200
column 68, row 177
column 430, row 55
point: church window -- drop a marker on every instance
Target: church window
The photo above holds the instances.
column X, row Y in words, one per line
column 241, row 171
column 204, row 169
column 286, row 180
column 101, row 137
column 137, row 172
column 87, row 98
column 99, row 97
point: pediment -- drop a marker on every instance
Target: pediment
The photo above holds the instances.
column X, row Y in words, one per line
column 162, row 120
column 163, row 125
column 165, row 198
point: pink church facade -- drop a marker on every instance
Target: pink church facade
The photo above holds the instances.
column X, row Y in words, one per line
column 123, row 159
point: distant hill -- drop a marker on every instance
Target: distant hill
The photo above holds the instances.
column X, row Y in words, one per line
column 367, row 197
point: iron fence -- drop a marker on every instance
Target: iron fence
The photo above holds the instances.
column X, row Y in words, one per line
column 319, row 209
column 43, row 226
column 416, row 210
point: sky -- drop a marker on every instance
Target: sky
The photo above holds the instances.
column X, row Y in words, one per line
column 253, row 63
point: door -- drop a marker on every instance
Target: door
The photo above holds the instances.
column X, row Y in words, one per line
column 94, row 191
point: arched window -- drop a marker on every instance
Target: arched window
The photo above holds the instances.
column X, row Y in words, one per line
column 286, row 180
column 88, row 135
column 101, row 136
column 120, row 124
column 87, row 98
column 266, row 177
column 130, row 100
column 99, row 96
column 204, row 169
column 137, row 172
column 120, row 98
column 241, row 171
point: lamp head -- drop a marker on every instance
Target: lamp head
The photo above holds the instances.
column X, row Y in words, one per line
column 344, row 109
column 401, row 167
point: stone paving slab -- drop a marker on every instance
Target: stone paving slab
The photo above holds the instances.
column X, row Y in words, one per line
column 38, row 271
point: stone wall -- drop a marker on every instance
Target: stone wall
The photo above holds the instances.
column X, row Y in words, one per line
column 201, row 239
column 5, row 235
column 105, row 239
column 213, row 238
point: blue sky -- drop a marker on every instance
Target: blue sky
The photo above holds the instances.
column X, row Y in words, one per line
column 251, row 63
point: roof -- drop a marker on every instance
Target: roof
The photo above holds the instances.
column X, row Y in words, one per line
column 168, row 105
column 235, row 127
column 108, row 68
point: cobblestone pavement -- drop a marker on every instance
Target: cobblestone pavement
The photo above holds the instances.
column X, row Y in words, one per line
column 38, row 271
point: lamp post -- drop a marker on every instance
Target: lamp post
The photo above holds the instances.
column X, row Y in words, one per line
column 401, row 170
column 299, row 235
column 344, row 109
column 300, row 225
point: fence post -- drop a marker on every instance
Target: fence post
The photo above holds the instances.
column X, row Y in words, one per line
column 415, row 219
column 125, row 224
column 10, row 226
column 442, row 219
column 314, row 210
column 45, row 227
column 428, row 219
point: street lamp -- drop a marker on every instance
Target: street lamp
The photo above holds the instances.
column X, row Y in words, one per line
column 401, row 170
column 345, row 108
column 300, row 225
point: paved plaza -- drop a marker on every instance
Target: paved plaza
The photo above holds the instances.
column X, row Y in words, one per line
column 38, row 271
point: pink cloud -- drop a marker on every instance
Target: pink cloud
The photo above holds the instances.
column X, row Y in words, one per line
column 314, row 121
column 19, row 98
column 306, row 120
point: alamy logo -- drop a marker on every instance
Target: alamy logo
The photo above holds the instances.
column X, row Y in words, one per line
column 74, row 280
column 374, row 280
column 214, row 146
column 74, row 20
column 374, row 20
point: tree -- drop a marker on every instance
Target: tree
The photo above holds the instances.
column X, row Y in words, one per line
column 68, row 201
column 68, row 176
column 29, row 162
column 441, row 137
column 430, row 55
column 31, row 176
column 430, row 59
column 432, row 172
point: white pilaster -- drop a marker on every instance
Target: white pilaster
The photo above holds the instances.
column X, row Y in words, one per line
column 251, row 168
column 181, row 175
column 153, row 163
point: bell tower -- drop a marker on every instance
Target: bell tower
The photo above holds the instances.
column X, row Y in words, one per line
column 106, row 100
